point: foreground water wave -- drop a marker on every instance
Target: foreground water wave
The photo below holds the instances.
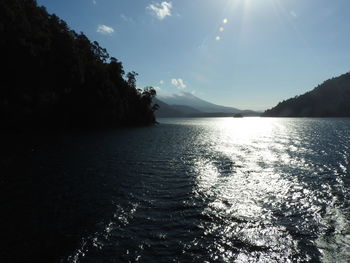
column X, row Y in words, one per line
column 191, row 190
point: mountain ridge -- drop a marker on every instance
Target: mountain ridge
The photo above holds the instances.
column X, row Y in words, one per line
column 188, row 99
column 329, row 99
column 185, row 104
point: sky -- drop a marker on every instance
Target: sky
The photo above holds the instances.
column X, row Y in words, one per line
column 248, row 54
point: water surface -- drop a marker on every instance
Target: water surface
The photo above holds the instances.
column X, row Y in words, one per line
column 187, row 190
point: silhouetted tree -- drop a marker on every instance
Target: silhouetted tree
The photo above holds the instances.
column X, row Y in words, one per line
column 54, row 76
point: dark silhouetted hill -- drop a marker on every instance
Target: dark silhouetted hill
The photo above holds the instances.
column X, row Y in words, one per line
column 53, row 76
column 330, row 99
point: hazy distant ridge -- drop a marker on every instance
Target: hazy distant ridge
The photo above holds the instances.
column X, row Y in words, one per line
column 330, row 99
column 188, row 99
column 187, row 105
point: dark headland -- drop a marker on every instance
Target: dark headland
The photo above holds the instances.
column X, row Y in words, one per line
column 330, row 99
column 54, row 77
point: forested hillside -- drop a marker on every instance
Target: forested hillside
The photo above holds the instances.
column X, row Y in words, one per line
column 330, row 99
column 54, row 77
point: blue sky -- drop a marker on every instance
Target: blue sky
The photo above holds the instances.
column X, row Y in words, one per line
column 241, row 53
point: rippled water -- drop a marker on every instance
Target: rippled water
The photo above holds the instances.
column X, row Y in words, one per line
column 192, row 190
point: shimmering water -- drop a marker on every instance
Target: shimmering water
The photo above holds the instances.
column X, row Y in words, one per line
column 190, row 190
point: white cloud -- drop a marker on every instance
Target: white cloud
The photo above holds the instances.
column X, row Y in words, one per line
column 126, row 18
column 293, row 14
column 161, row 82
column 160, row 10
column 94, row 2
column 179, row 83
column 106, row 30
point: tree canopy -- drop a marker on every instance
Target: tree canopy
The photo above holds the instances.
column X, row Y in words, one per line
column 330, row 99
column 53, row 76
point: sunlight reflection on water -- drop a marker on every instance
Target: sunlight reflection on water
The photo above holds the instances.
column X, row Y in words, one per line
column 229, row 190
column 243, row 179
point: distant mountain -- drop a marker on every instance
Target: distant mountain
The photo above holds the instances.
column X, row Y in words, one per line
column 188, row 99
column 186, row 109
column 330, row 99
column 166, row 110
column 187, row 105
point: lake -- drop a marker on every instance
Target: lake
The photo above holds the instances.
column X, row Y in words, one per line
column 187, row 190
